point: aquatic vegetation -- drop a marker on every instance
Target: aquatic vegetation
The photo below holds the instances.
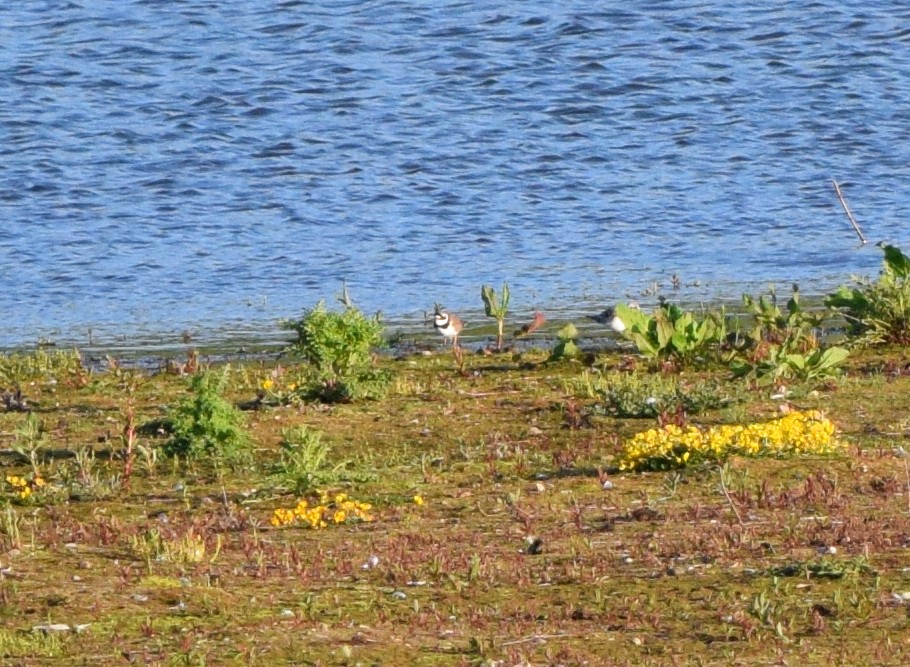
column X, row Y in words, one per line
column 328, row 510
column 339, row 350
column 205, row 424
column 671, row 333
column 879, row 311
column 496, row 309
column 675, row 447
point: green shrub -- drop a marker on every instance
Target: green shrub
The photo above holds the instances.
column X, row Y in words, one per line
column 339, row 350
column 205, row 424
column 303, row 463
column 634, row 395
column 670, row 333
column 879, row 312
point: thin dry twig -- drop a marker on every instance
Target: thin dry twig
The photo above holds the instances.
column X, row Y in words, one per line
column 533, row 638
column 843, row 202
column 723, row 487
column 907, row 473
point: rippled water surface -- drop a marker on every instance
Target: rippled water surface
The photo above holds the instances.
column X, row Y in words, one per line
column 218, row 166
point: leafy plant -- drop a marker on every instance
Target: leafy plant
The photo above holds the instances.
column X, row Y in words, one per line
column 635, row 395
column 566, row 345
column 780, row 363
column 771, row 325
column 304, row 460
column 59, row 365
column 671, row 333
column 496, row 309
column 207, row 424
column 785, row 345
column 339, row 347
column 879, row 312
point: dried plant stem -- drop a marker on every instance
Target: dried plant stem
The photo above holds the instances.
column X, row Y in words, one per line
column 533, row 638
column 843, row 202
column 907, row 473
column 723, row 488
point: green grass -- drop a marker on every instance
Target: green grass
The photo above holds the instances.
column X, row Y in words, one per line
column 799, row 560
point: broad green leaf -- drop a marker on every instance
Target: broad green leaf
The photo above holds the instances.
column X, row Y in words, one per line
column 740, row 367
column 665, row 329
column 896, row 261
column 847, row 298
column 680, row 342
column 633, row 318
column 833, row 356
column 796, row 361
column 643, row 343
column 488, row 294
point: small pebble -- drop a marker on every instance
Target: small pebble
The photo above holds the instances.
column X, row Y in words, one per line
column 286, row 613
column 399, row 595
column 607, row 485
column 534, row 431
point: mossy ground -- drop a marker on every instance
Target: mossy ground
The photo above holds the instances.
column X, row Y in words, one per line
column 800, row 561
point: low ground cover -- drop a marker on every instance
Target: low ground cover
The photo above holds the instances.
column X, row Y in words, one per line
column 475, row 514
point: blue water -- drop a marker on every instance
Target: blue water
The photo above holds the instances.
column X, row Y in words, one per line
column 214, row 167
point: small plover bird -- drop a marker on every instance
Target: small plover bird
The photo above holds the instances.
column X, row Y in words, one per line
column 610, row 317
column 448, row 324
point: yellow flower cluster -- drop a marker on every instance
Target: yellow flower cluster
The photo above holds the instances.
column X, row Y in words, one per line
column 329, row 510
column 24, row 488
column 674, row 447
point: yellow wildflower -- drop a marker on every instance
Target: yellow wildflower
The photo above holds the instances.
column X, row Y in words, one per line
column 671, row 446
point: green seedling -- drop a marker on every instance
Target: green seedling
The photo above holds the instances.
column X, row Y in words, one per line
column 496, row 309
